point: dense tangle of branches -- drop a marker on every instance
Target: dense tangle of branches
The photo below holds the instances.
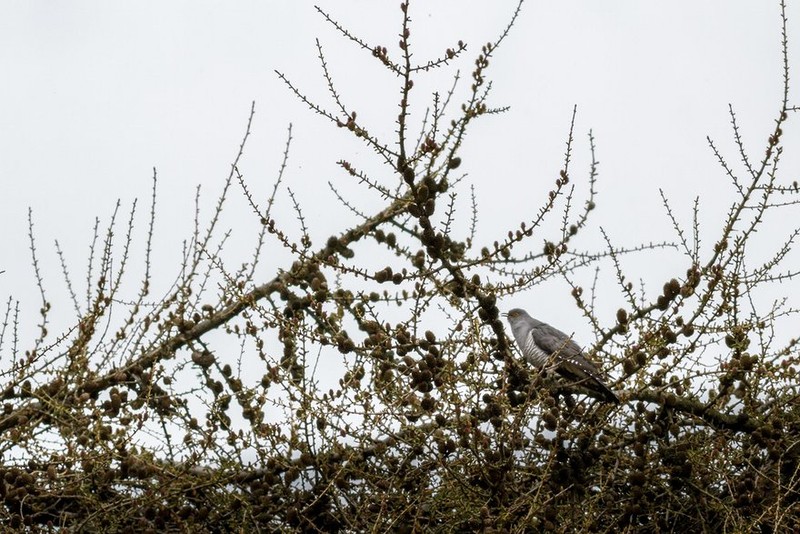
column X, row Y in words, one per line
column 369, row 384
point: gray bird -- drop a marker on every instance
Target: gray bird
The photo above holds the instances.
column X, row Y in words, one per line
column 543, row 346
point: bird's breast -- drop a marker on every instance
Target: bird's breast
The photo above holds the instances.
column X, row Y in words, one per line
column 534, row 354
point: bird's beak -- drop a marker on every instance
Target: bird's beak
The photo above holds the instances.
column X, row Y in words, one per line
column 504, row 314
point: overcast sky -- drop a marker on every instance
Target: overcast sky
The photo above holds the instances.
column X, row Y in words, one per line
column 94, row 95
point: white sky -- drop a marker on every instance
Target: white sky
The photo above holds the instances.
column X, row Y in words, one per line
column 93, row 95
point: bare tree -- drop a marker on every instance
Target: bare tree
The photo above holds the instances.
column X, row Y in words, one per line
column 340, row 396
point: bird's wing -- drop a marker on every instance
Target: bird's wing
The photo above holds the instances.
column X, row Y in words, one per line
column 571, row 362
column 569, row 353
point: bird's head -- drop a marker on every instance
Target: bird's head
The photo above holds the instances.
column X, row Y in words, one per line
column 515, row 314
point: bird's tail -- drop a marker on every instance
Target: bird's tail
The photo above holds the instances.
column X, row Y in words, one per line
column 597, row 385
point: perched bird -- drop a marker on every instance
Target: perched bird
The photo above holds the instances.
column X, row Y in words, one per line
column 543, row 346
